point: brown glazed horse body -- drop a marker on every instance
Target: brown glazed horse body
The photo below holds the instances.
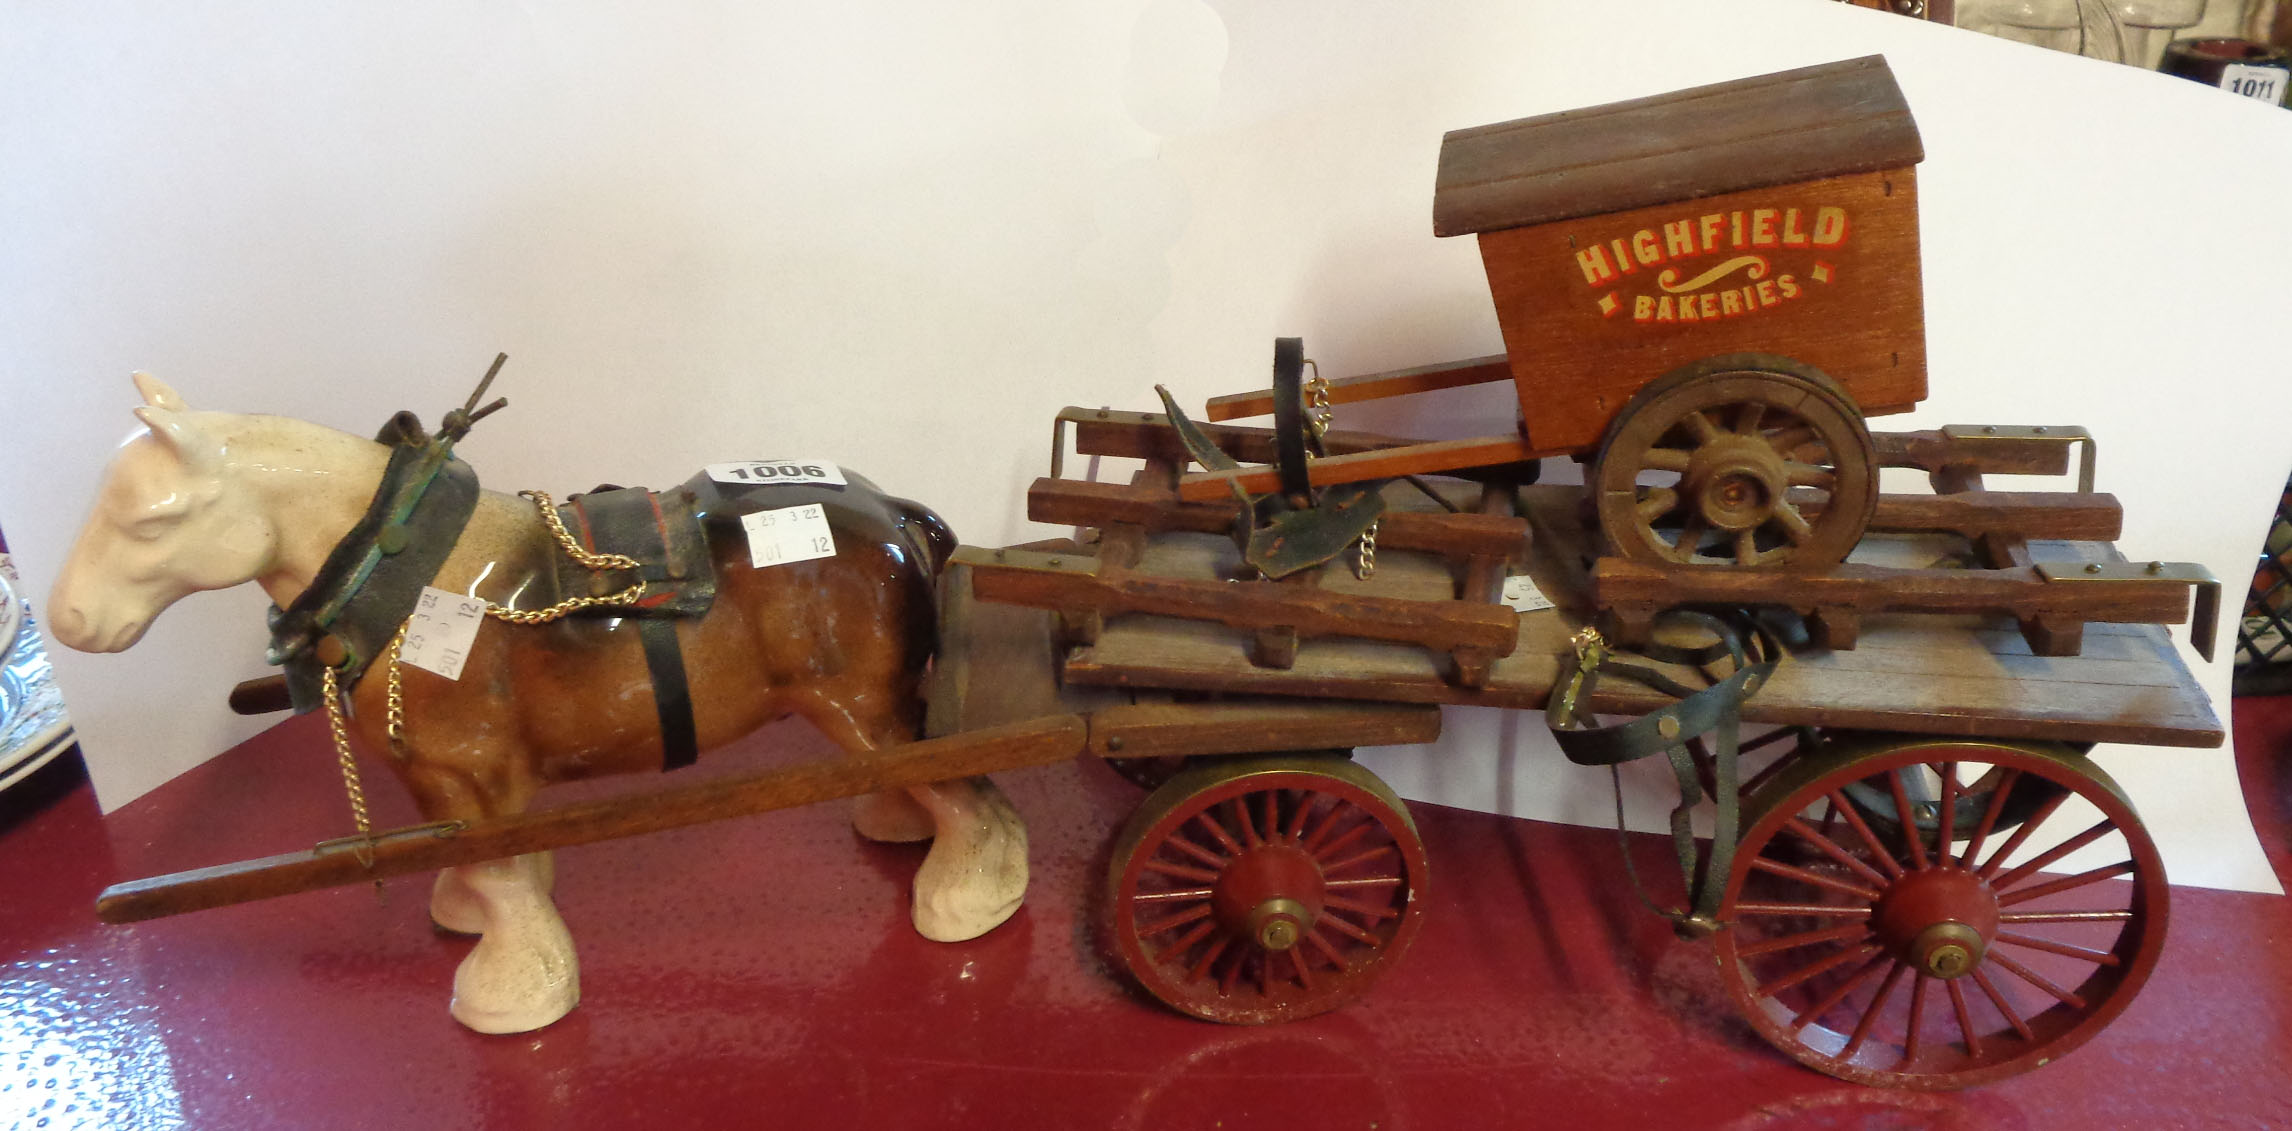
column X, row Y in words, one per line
column 208, row 500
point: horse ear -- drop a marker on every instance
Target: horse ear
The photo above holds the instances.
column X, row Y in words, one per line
column 157, row 394
column 173, row 428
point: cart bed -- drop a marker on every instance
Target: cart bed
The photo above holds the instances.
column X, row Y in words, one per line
column 1954, row 675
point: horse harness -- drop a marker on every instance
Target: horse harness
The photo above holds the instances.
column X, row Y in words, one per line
column 355, row 610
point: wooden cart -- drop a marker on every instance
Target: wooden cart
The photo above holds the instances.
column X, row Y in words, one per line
column 1898, row 905
column 1854, row 932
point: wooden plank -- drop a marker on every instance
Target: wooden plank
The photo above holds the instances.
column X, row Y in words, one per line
column 2062, row 515
column 1242, row 726
column 1386, row 463
column 1148, row 436
column 1079, row 503
column 1637, row 590
column 1373, row 386
column 2047, row 700
column 1063, row 583
column 1930, row 450
column 1032, row 743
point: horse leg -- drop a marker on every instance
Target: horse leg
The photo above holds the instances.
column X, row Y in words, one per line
column 975, row 875
column 891, row 817
column 454, row 907
column 522, row 974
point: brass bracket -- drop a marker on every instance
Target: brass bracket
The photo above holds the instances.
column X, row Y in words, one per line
column 2204, row 622
column 440, row 830
column 1974, row 436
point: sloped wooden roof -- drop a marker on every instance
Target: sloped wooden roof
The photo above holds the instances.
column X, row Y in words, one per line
column 1822, row 121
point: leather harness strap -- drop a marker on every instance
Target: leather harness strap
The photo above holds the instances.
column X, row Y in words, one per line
column 1715, row 709
column 371, row 579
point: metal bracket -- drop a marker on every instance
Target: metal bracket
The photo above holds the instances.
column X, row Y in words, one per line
column 1975, row 435
column 2204, row 622
column 441, row 830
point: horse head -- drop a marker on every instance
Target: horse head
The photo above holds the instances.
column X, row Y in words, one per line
column 173, row 518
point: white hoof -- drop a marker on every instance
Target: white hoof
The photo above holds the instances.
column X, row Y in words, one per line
column 509, row 989
column 976, row 874
column 891, row 817
column 522, row 974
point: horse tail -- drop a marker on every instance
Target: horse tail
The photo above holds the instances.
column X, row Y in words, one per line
column 937, row 541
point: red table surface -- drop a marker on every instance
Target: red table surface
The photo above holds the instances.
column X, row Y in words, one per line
column 761, row 972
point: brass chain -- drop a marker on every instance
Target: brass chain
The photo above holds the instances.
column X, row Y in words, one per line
column 1317, row 400
column 395, row 717
column 332, row 690
column 1319, row 417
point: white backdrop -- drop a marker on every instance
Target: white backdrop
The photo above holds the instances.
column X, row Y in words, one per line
column 901, row 235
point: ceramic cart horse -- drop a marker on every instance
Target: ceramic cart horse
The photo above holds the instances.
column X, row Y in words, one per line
column 206, row 500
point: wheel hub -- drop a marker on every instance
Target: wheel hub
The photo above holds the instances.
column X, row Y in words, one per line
column 1735, row 482
column 1939, row 920
column 1270, row 894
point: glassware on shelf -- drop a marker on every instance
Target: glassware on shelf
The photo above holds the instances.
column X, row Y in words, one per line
column 2150, row 24
column 2079, row 27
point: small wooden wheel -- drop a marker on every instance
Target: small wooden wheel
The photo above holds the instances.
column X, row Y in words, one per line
column 1957, row 954
column 1743, row 460
column 1266, row 889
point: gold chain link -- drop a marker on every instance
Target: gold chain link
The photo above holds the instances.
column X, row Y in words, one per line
column 395, row 721
column 1319, row 417
column 565, row 540
column 1317, row 400
column 332, row 690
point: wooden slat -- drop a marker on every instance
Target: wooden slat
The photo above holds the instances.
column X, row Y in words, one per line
column 1078, row 503
column 1145, row 730
column 1065, row 584
column 1148, row 435
column 1388, row 463
column 2063, row 515
column 1374, row 386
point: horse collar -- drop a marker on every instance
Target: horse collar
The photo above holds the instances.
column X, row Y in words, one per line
column 370, row 581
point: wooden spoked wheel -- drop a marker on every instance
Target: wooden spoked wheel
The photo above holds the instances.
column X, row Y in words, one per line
column 1267, row 889
column 1744, row 460
column 1954, row 954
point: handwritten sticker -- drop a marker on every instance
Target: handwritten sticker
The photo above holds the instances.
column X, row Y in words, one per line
column 439, row 634
column 790, row 534
column 1522, row 594
column 769, row 471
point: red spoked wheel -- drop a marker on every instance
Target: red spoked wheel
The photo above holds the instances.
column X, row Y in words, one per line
column 1968, row 939
column 1267, row 889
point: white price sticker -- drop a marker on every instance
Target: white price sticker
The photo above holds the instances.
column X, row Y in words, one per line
column 2263, row 83
column 1522, row 594
column 439, row 634
column 790, row 534
column 764, row 472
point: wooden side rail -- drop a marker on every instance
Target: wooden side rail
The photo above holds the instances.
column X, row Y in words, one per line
column 1834, row 601
column 1374, row 386
column 1071, row 584
column 1435, row 458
